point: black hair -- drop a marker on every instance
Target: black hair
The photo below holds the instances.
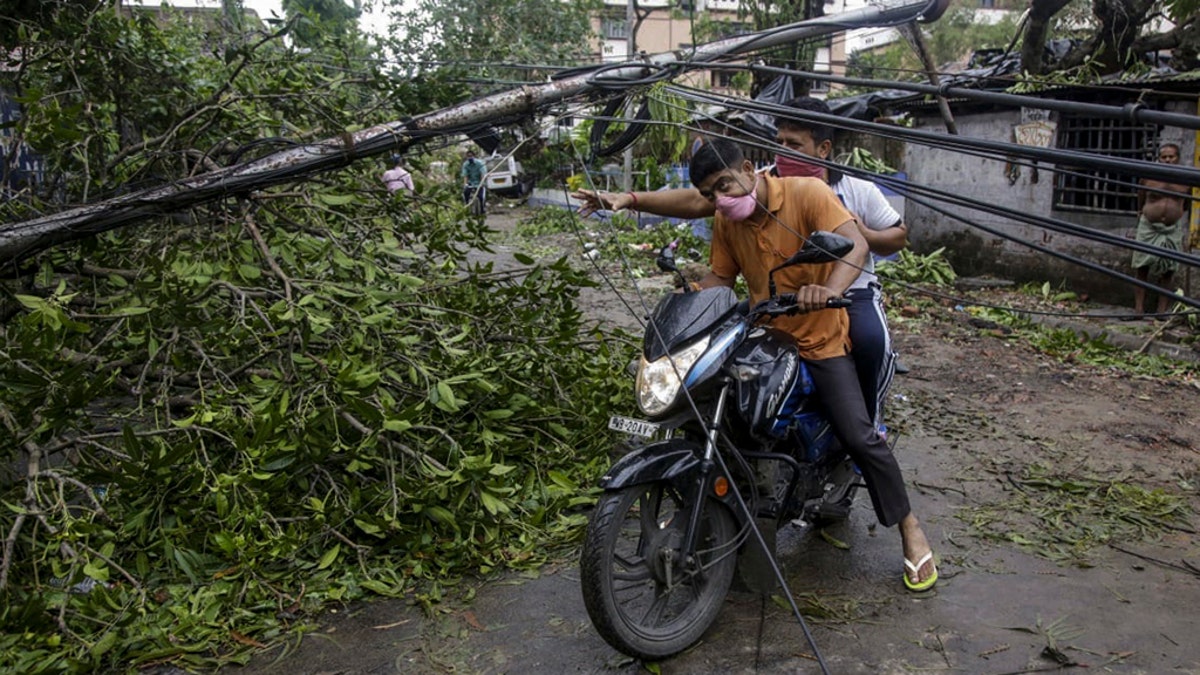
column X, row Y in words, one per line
column 1178, row 150
column 713, row 157
column 820, row 132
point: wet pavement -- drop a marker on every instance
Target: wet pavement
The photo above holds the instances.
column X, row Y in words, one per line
column 995, row 610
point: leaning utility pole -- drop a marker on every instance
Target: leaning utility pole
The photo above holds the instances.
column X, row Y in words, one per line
column 24, row 239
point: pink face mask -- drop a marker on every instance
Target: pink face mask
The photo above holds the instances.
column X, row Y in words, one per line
column 790, row 166
column 738, row 208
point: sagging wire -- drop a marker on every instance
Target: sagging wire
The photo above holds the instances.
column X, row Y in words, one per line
column 660, row 72
column 1095, row 267
column 745, row 47
column 1064, row 227
column 907, row 189
column 1048, row 223
column 1166, row 172
column 625, row 265
column 1135, row 113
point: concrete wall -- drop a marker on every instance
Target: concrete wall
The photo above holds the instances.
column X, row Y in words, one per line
column 974, row 252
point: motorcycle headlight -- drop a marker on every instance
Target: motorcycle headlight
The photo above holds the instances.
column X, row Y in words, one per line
column 659, row 383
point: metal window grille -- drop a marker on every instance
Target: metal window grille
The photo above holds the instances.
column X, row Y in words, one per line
column 614, row 28
column 1092, row 190
column 722, row 79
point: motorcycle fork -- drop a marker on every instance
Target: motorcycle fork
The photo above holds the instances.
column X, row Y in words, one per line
column 706, row 468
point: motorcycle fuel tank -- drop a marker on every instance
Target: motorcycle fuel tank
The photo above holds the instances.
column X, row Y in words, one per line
column 773, row 383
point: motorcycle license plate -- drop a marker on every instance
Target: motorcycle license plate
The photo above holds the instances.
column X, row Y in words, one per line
column 632, row 426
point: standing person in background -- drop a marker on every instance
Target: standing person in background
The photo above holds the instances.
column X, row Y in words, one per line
column 878, row 223
column 472, row 173
column 397, row 178
column 1162, row 222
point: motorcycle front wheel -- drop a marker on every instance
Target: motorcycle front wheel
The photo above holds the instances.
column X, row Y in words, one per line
column 644, row 597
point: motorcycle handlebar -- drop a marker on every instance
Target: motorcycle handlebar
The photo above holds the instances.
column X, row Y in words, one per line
column 786, row 304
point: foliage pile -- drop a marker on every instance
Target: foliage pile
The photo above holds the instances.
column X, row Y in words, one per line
column 1074, row 515
column 1067, row 345
column 217, row 421
column 222, row 437
column 621, row 239
column 915, row 268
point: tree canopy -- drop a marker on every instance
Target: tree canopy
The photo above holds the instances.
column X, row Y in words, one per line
column 480, row 36
column 1101, row 37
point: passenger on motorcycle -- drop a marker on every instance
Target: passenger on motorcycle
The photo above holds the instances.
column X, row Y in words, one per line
column 880, row 225
column 760, row 221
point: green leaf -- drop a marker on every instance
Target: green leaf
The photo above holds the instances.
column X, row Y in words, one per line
column 386, row 590
column 329, row 556
column 500, row 469
column 445, row 397
column 31, row 301
column 369, row 528
column 833, row 541
column 96, row 569
column 106, row 642
column 562, row 480
column 441, row 515
column 334, row 200
column 492, row 504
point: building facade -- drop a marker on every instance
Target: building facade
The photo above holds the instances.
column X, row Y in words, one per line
column 669, row 25
column 1098, row 199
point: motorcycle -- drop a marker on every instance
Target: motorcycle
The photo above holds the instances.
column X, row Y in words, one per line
column 664, row 539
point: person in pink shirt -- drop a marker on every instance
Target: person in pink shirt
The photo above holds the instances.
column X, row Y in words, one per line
column 398, row 178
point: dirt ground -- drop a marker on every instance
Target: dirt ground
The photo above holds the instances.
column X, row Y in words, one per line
column 1059, row 497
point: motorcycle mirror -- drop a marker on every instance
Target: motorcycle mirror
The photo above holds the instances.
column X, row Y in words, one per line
column 821, row 247
column 666, row 259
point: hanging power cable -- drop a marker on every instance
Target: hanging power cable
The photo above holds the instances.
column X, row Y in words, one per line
column 911, row 189
column 1166, row 172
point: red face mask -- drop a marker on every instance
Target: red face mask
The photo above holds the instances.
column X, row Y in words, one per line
column 790, row 166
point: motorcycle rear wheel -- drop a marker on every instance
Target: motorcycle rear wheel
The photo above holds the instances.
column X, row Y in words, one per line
column 641, row 597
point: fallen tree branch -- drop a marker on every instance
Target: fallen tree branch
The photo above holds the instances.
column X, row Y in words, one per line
column 269, row 257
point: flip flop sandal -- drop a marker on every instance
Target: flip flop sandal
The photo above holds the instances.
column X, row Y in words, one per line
column 915, row 570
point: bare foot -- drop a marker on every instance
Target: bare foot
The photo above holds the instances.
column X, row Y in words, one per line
column 916, row 546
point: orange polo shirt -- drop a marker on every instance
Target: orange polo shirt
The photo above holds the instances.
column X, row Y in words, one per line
column 796, row 207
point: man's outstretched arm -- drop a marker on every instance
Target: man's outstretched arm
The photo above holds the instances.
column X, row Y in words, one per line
column 676, row 203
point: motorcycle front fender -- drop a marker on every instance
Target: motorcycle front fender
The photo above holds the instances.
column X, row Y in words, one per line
column 676, row 461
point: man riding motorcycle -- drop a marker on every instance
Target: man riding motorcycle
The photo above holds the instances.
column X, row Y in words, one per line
column 760, row 221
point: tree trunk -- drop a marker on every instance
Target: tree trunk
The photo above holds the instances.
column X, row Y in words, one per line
column 1111, row 48
column 1033, row 47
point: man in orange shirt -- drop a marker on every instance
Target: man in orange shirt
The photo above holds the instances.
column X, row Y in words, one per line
column 760, row 222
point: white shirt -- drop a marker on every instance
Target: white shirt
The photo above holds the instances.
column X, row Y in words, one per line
column 864, row 199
